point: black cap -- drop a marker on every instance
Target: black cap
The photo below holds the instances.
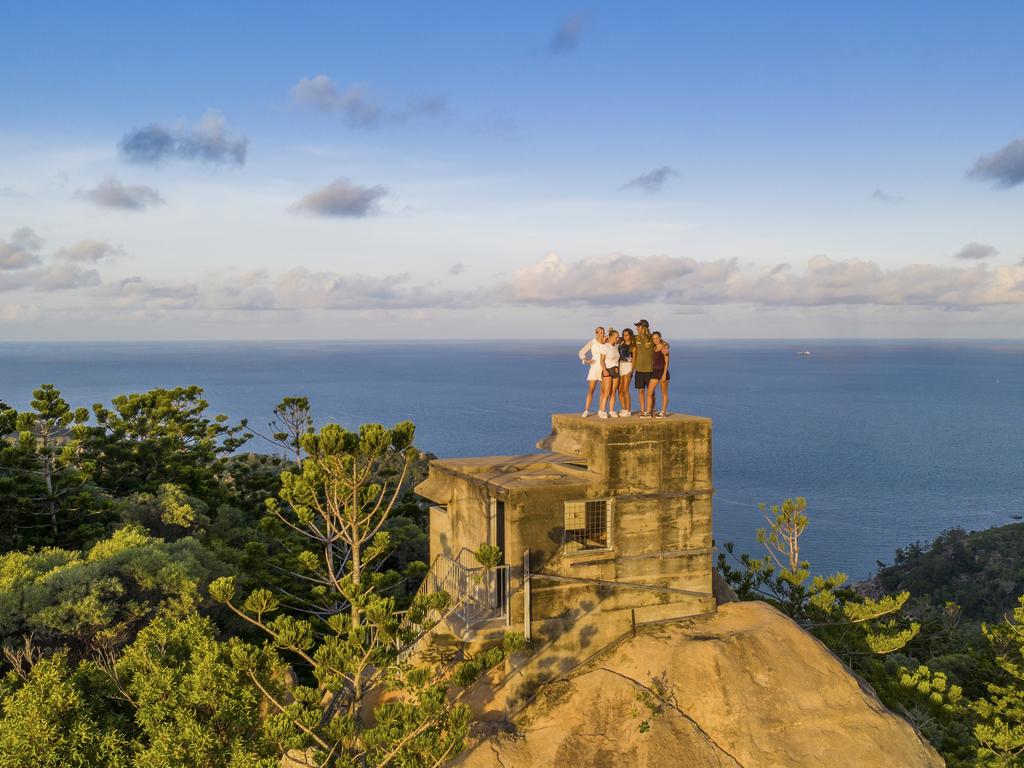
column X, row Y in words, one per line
column 644, row 323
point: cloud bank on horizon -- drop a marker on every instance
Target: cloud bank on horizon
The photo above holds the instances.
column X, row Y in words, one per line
column 346, row 185
column 645, row 280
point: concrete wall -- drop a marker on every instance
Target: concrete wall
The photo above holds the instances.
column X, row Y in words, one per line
column 638, row 455
column 657, row 474
column 466, row 522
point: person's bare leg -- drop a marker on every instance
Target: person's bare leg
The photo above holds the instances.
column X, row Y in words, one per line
column 651, row 398
column 606, row 388
column 664, row 395
column 590, row 395
column 613, row 384
column 626, row 394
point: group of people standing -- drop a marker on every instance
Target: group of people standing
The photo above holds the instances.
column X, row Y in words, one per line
column 614, row 359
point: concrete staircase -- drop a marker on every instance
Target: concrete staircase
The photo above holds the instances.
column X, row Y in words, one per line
column 476, row 615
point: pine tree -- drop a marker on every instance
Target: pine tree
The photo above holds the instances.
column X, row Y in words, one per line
column 1000, row 731
column 339, row 500
column 47, row 495
column 848, row 623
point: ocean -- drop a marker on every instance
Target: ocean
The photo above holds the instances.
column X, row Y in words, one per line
column 891, row 442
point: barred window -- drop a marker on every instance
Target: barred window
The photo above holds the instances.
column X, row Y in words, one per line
column 586, row 526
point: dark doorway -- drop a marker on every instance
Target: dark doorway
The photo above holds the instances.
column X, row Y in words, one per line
column 499, row 541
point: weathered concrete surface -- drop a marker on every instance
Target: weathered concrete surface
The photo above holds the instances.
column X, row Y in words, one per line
column 637, row 455
column 745, row 687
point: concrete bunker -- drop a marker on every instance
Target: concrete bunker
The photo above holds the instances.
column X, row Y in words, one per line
column 608, row 527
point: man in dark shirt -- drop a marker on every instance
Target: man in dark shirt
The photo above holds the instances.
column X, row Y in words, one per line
column 643, row 364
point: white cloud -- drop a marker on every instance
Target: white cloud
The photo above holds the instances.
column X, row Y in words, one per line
column 628, row 280
column 596, row 280
column 87, row 251
column 976, row 252
column 209, row 142
column 358, row 105
column 20, row 250
column 652, row 181
column 1004, row 168
column 25, row 267
column 56, row 276
column 341, row 199
column 111, row 193
column 297, row 288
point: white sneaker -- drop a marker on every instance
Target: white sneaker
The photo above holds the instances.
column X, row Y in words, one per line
column 625, row 413
column 602, row 415
column 661, row 414
column 584, row 414
column 612, row 415
column 645, row 415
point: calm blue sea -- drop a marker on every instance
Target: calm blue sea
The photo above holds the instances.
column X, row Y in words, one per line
column 889, row 442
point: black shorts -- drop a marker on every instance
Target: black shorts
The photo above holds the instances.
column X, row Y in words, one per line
column 642, row 378
column 612, row 372
column 659, row 375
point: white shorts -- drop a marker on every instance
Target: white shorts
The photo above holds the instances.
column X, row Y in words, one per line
column 594, row 374
column 625, row 368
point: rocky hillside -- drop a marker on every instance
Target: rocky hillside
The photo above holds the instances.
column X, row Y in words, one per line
column 981, row 571
column 747, row 688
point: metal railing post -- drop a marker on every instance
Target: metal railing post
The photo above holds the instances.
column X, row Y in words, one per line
column 504, row 598
column 526, row 594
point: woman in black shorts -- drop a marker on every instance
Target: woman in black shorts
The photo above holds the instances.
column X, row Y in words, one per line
column 660, row 377
column 609, row 359
column 626, row 345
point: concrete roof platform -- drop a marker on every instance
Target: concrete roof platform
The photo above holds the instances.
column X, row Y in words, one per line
column 564, row 462
column 611, row 422
column 508, row 472
column 570, row 431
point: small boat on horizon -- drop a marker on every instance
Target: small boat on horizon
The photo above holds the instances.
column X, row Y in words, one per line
column 805, row 353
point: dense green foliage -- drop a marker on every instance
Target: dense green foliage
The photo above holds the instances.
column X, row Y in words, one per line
column 982, row 571
column 114, row 526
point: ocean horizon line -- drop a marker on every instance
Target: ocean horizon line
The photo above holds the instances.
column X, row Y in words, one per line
column 551, row 340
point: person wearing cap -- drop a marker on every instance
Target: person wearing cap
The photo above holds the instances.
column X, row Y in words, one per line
column 643, row 365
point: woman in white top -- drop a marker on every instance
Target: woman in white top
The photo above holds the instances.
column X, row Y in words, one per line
column 594, row 374
column 609, row 357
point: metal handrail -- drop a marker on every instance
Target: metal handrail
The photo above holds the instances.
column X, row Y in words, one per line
column 473, row 600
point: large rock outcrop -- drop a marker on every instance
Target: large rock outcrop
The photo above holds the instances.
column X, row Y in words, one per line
column 746, row 687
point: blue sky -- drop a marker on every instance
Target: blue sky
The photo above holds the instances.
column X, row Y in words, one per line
column 469, row 170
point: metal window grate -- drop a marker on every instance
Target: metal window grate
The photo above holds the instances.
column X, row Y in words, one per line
column 586, row 526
